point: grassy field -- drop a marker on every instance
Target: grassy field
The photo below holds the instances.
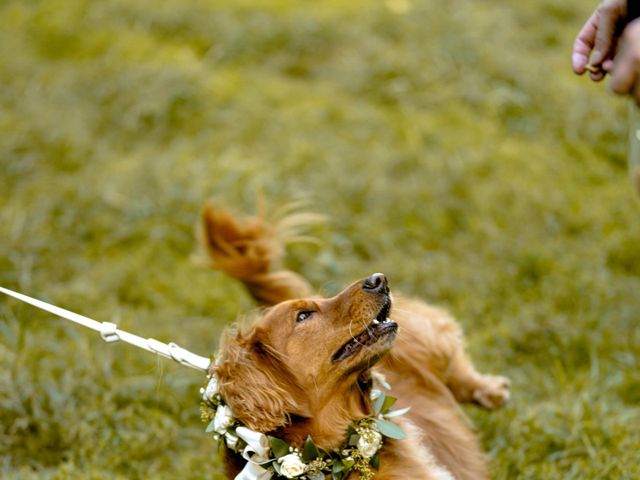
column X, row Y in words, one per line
column 451, row 146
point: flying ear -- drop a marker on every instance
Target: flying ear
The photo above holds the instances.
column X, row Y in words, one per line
column 255, row 382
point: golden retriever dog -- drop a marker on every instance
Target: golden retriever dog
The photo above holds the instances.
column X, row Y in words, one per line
column 305, row 366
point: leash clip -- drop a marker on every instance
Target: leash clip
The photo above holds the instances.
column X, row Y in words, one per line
column 109, row 332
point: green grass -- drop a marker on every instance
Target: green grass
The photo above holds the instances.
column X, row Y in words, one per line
column 451, row 146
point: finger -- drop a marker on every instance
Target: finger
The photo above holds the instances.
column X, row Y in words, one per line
column 584, row 44
column 609, row 13
column 623, row 77
column 607, row 65
column 597, row 76
column 596, row 73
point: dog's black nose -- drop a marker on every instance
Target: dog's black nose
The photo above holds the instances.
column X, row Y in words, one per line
column 376, row 283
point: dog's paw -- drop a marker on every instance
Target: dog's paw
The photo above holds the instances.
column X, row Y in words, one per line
column 493, row 391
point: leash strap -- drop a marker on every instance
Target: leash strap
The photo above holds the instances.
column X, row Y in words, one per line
column 111, row 333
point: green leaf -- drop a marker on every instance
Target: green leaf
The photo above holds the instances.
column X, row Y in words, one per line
column 378, row 402
column 348, row 463
column 280, row 448
column 375, row 461
column 276, row 467
column 336, row 475
column 315, row 476
column 337, row 466
column 388, row 403
column 390, row 430
column 353, row 440
column 210, row 427
column 310, row 451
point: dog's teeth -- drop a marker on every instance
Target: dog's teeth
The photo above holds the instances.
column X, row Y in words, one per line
column 375, row 321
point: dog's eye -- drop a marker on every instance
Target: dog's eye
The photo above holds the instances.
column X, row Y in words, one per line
column 305, row 315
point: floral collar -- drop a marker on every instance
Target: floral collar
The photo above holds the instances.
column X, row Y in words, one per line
column 269, row 456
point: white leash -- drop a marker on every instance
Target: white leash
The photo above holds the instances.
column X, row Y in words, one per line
column 111, row 333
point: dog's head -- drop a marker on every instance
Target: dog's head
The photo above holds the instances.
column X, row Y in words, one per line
column 301, row 353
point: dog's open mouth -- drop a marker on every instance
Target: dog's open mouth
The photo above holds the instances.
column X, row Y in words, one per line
column 381, row 327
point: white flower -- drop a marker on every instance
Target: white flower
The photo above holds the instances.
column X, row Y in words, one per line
column 291, row 465
column 375, row 393
column 369, row 443
column 231, row 440
column 211, row 390
column 223, row 419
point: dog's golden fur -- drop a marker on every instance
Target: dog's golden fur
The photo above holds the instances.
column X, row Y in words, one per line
column 281, row 377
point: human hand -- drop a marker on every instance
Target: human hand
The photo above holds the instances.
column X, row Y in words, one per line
column 596, row 44
column 625, row 75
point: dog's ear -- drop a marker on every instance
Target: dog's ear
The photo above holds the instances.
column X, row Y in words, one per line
column 255, row 382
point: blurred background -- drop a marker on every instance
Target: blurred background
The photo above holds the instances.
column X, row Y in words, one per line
column 450, row 145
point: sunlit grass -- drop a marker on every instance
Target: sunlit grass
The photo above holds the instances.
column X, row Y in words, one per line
column 452, row 148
